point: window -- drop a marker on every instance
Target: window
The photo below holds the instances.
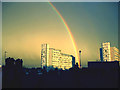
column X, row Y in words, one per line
column 105, row 50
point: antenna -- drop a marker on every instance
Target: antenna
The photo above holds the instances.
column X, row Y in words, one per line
column 5, row 54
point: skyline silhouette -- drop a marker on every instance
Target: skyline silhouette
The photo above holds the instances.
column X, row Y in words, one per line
column 97, row 75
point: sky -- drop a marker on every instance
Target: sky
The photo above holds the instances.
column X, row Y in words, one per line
column 60, row 0
column 26, row 25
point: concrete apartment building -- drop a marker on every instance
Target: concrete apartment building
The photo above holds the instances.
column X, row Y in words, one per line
column 51, row 57
column 114, row 54
column 108, row 53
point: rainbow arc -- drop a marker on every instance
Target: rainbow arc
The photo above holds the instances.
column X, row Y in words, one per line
column 69, row 31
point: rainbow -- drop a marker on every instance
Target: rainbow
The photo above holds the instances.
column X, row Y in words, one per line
column 69, row 31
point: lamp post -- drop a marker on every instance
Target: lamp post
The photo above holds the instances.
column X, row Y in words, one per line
column 80, row 58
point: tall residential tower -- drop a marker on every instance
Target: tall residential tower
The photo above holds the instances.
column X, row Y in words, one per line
column 108, row 53
column 44, row 55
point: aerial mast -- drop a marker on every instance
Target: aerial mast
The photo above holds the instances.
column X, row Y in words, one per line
column 5, row 54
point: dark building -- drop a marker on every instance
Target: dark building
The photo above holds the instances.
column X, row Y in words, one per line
column 104, row 65
column 18, row 63
column 12, row 73
column 101, row 55
column 73, row 61
column 9, row 62
column 104, row 74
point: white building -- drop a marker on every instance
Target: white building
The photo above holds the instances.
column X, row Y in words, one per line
column 54, row 57
column 44, row 55
column 51, row 57
column 108, row 53
column 66, row 61
column 114, row 54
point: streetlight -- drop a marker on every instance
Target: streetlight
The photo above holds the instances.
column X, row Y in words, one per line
column 80, row 58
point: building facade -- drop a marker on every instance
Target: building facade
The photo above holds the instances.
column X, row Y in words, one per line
column 66, row 61
column 53, row 58
column 108, row 53
column 114, row 54
column 44, row 55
